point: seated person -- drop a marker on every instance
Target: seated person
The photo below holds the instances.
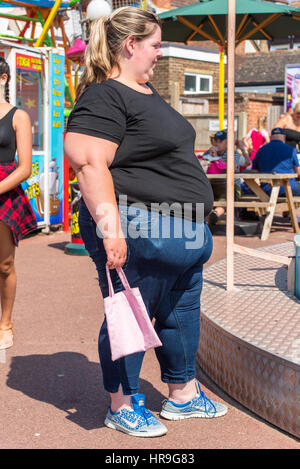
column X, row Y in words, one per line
column 276, row 157
column 218, row 151
column 257, row 137
column 244, row 153
column 291, row 124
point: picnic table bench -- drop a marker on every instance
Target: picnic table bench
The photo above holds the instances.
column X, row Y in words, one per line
column 261, row 201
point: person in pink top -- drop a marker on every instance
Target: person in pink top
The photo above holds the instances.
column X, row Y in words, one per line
column 257, row 137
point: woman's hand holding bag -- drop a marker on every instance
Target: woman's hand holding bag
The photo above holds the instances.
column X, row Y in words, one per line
column 129, row 327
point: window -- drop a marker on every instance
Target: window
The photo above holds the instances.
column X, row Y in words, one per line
column 196, row 83
column 279, row 47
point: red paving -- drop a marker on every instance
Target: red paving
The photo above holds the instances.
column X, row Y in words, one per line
column 51, row 389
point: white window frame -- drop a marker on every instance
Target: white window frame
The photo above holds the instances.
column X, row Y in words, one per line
column 198, row 77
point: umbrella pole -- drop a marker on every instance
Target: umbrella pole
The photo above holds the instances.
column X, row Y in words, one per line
column 230, row 144
column 221, row 89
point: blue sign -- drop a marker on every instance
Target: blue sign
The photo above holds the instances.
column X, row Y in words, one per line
column 34, row 187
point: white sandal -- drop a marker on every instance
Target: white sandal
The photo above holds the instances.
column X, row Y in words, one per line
column 6, row 337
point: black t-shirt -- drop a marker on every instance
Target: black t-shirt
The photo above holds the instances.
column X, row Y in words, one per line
column 292, row 137
column 8, row 143
column 155, row 160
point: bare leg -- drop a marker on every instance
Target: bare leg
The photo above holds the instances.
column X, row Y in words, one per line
column 7, row 276
column 180, row 393
column 119, row 400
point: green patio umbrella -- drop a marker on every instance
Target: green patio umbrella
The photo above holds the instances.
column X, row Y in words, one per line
column 229, row 22
column 207, row 20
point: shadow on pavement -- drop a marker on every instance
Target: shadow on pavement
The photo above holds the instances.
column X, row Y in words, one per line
column 70, row 382
column 60, row 246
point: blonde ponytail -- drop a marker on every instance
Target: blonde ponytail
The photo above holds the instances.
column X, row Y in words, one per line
column 97, row 57
column 106, row 41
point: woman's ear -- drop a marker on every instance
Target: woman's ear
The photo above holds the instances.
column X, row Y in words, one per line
column 130, row 44
column 3, row 78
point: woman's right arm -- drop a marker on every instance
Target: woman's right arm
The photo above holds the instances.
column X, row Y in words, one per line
column 284, row 122
column 91, row 157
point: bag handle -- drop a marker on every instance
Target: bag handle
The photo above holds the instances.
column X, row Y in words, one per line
column 122, row 277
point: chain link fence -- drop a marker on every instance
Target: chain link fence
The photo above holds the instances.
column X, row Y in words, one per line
column 132, row 3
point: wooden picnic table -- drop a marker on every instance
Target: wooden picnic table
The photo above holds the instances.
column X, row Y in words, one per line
column 262, row 199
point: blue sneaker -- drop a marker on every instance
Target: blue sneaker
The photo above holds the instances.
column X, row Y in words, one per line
column 199, row 406
column 137, row 421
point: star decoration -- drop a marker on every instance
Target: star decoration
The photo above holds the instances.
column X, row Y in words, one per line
column 30, row 103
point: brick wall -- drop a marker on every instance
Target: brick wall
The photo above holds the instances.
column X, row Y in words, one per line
column 170, row 4
column 256, row 109
column 255, row 105
column 163, row 4
column 240, row 49
column 170, row 69
column 181, row 3
column 205, row 44
column 240, row 103
column 160, row 79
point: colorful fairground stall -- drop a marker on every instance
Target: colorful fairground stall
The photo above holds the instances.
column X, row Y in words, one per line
column 34, row 41
column 44, row 43
column 37, row 86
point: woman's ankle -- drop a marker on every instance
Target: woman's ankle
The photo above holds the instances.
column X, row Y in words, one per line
column 120, row 401
column 117, row 407
column 4, row 325
column 180, row 393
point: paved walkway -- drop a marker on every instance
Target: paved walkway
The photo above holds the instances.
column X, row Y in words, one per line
column 51, row 390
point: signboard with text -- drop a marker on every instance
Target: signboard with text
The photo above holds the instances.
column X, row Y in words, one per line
column 47, row 118
column 28, row 62
column 34, row 188
column 30, row 98
column 292, row 87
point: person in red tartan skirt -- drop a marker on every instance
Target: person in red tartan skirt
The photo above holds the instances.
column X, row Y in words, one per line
column 16, row 216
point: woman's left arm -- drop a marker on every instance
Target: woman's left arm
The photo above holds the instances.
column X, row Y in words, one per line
column 22, row 127
column 241, row 145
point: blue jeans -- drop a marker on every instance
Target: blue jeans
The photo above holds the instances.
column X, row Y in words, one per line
column 168, row 273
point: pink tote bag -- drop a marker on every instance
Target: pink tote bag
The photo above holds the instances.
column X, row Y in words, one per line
column 129, row 327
